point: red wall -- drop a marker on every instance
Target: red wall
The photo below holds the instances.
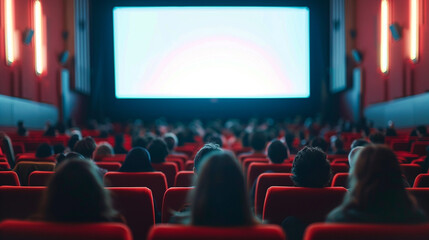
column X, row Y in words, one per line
column 20, row 80
column 404, row 78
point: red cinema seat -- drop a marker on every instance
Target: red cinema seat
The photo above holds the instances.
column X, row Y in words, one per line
column 332, row 157
column 419, row 148
column 265, row 181
column 328, row 231
column 4, row 166
column 422, row 197
column 136, row 206
column 182, row 157
column 184, row 179
column 411, row 171
column 341, row 160
column 400, row 145
column 24, row 169
column 3, row 159
column 115, row 158
column 24, row 230
column 179, row 163
column 9, row 178
column 109, row 166
column 243, row 157
column 19, row 202
column 181, row 232
column 340, row 180
column 18, row 147
column 307, row 204
column 189, row 165
column 169, row 169
column 25, row 158
column 175, row 199
column 339, row 168
column 422, row 180
column 256, row 169
column 155, row 181
column 248, row 161
column 39, row 178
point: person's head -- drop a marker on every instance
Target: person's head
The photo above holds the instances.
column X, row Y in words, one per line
column 289, row 138
column 258, row 140
column 311, row 168
column 59, row 148
column 216, row 139
column 76, row 194
column 171, row 141
column 119, row 140
column 359, row 143
column 20, row 124
column 103, row 149
column 377, row 138
column 421, row 131
column 337, row 144
column 137, row 160
column 203, row 153
column 320, row 143
column 220, row 197
column 277, row 151
column 376, row 182
column 158, row 150
column 67, row 156
column 44, row 150
column 73, row 140
column 139, row 142
column 85, row 147
column 390, row 124
column 353, row 156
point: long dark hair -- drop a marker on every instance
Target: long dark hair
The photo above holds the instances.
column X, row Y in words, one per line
column 377, row 185
column 220, row 197
column 76, row 194
column 137, row 160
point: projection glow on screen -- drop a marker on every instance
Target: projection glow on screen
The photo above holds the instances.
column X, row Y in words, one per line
column 211, row 52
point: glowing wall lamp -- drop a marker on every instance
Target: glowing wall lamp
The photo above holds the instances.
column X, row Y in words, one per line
column 38, row 37
column 9, row 31
column 384, row 37
column 414, row 30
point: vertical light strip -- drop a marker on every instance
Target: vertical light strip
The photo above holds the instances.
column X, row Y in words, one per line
column 414, row 30
column 38, row 36
column 384, row 44
column 9, row 31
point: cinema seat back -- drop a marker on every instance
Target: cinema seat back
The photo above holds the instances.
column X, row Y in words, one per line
column 340, row 180
column 9, row 178
column 169, row 169
column 180, row 232
column 19, row 202
column 25, row 230
column 422, row 180
column 184, row 179
column 256, row 169
column 265, row 181
column 40, row 178
column 175, row 200
column 307, row 204
column 328, row 231
column 109, row 166
column 155, row 181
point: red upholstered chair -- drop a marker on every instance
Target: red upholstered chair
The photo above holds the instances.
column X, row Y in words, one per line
column 19, row 202
column 422, row 180
column 4, row 166
column 411, row 171
column 18, row 147
column 184, row 179
column 328, row 231
column 25, row 158
column 175, row 199
column 246, row 162
column 3, row 159
column 9, row 178
column 307, row 204
column 169, row 169
column 178, row 161
column 109, row 166
column 256, row 169
column 115, row 158
column 182, row 157
column 155, row 181
column 339, row 168
column 341, row 160
column 265, row 181
column 400, row 145
column 24, row 230
column 332, row 157
column 189, row 165
column 340, row 180
column 243, row 157
column 422, row 197
column 39, row 178
column 419, row 148
column 181, row 232
column 136, row 206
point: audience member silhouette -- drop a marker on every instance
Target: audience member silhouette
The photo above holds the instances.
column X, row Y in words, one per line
column 44, row 150
column 319, row 143
column 137, row 160
column 203, row 153
column 158, row 150
column 85, row 147
column 22, row 131
column 277, row 152
column 103, row 149
column 119, row 145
